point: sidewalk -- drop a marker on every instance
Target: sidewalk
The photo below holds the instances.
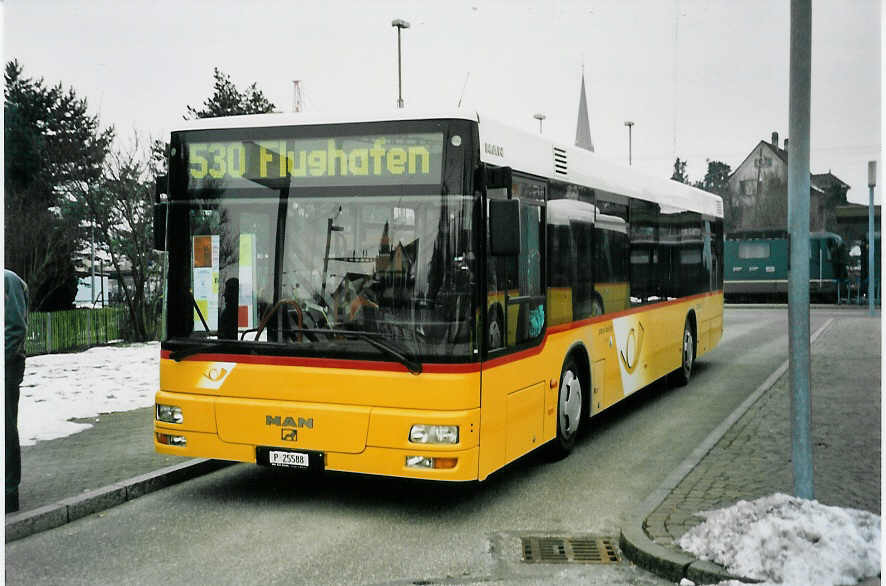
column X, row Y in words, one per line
column 752, row 458
column 113, row 461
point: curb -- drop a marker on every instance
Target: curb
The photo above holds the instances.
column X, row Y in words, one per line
column 670, row 563
column 23, row 524
column 824, row 306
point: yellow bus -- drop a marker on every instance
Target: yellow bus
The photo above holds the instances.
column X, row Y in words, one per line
column 424, row 296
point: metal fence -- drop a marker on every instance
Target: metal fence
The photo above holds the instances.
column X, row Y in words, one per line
column 67, row 331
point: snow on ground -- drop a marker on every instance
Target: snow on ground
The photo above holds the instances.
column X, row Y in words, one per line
column 59, row 387
column 785, row 540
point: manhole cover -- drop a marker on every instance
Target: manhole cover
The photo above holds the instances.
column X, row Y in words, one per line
column 569, row 550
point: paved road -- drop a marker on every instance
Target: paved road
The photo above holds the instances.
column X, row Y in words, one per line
column 246, row 524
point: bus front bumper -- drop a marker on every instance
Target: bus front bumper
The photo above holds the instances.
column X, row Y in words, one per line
column 364, row 440
column 433, row 464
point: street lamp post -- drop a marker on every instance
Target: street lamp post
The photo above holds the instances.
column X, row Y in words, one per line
column 872, row 182
column 399, row 24
column 630, row 125
column 539, row 117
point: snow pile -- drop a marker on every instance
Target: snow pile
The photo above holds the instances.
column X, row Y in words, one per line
column 59, row 387
column 785, row 540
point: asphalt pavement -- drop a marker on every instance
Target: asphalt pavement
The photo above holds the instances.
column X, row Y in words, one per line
column 748, row 456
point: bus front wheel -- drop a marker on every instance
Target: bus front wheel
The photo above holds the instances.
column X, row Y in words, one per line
column 570, row 402
column 682, row 375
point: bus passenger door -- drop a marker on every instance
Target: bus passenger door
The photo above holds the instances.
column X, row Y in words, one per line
column 513, row 385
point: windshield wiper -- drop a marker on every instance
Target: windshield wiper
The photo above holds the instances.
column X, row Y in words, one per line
column 372, row 339
column 413, row 365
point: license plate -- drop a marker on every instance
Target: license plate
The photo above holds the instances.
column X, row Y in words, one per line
column 288, row 459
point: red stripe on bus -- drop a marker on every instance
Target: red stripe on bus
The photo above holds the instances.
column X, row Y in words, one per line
column 328, row 363
column 609, row 316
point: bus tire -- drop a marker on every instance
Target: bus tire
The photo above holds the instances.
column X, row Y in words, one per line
column 681, row 376
column 570, row 404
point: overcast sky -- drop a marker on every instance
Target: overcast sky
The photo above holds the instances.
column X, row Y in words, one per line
column 699, row 78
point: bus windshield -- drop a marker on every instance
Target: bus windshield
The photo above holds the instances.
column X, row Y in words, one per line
column 348, row 267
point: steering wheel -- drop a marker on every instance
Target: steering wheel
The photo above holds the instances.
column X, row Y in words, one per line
column 291, row 303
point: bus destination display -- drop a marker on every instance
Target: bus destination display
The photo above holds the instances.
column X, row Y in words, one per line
column 393, row 159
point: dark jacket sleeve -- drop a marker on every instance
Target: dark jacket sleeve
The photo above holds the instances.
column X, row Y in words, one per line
column 16, row 314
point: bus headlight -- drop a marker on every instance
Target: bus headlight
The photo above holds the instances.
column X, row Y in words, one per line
column 169, row 414
column 433, row 434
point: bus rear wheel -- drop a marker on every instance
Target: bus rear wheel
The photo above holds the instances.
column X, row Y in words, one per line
column 570, row 402
column 681, row 376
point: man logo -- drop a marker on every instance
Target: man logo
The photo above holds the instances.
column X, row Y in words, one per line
column 493, row 149
column 288, row 421
column 289, row 434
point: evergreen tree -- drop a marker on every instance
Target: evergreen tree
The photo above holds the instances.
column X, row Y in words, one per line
column 227, row 100
column 716, row 178
column 54, row 149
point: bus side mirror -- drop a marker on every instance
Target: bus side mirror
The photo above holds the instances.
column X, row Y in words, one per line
column 160, row 207
column 504, row 227
column 490, row 177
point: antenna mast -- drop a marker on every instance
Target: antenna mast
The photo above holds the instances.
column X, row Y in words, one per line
column 467, row 77
column 297, row 99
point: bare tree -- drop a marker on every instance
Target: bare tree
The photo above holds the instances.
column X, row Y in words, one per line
column 771, row 206
column 120, row 206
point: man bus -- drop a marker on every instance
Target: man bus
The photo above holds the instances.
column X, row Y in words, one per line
column 417, row 296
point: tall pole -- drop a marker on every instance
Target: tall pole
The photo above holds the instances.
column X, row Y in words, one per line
column 399, row 24
column 539, row 117
column 872, row 270
column 630, row 125
column 798, row 220
column 92, row 262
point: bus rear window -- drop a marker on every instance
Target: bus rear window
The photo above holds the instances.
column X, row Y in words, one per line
column 750, row 250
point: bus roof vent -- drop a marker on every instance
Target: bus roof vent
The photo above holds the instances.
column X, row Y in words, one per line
column 560, row 160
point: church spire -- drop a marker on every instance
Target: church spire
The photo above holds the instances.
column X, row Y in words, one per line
column 583, row 128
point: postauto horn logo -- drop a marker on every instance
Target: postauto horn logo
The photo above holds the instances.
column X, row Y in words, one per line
column 633, row 347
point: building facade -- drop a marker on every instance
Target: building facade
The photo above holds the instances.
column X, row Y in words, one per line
column 757, row 195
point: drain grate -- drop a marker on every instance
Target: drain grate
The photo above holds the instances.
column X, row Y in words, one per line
column 569, row 550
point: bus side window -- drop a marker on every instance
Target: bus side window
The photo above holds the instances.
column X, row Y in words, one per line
column 611, row 245
column 515, row 285
column 645, row 283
